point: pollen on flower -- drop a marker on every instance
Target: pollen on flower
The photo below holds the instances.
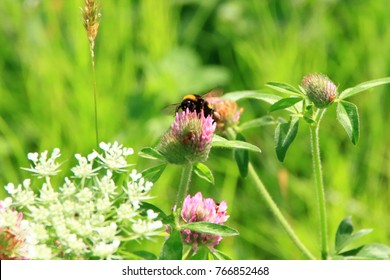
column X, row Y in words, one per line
column 199, row 209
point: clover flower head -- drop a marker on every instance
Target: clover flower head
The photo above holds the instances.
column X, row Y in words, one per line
column 319, row 89
column 42, row 165
column 226, row 111
column 199, row 209
column 189, row 139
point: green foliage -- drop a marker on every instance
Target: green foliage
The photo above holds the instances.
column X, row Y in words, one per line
column 284, row 103
column 347, row 115
column 151, row 53
column 345, row 236
column 211, row 228
column 285, row 134
column 204, row 172
column 241, row 157
column 173, row 247
column 219, row 142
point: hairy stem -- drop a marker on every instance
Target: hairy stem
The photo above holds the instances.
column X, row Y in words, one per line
column 184, row 183
column 317, row 169
column 278, row 214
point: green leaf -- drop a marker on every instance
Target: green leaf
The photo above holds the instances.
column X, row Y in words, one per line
column 284, row 135
column 173, row 247
column 348, row 117
column 151, row 153
column 204, row 172
column 220, row 142
column 368, row 252
column 251, row 94
column 242, row 158
column 153, row 174
column 284, row 103
column 220, row 255
column 145, row 255
column 284, row 88
column 363, row 86
column 161, row 215
column 344, row 235
column 211, row 228
column 201, row 254
column 263, row 121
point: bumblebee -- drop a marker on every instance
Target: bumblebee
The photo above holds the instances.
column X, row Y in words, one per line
column 194, row 102
column 197, row 103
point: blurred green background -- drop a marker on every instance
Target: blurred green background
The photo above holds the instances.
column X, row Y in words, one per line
column 150, row 53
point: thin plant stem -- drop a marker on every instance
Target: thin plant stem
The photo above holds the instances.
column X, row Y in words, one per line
column 278, row 214
column 94, row 94
column 184, row 183
column 317, row 169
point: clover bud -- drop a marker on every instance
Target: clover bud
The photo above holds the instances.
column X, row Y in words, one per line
column 319, row 89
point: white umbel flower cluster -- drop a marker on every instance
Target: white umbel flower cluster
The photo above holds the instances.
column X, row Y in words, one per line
column 91, row 214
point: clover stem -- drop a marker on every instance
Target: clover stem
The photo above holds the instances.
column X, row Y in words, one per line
column 317, row 169
column 278, row 214
column 184, row 183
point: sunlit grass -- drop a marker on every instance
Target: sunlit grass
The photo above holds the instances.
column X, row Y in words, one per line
column 150, row 53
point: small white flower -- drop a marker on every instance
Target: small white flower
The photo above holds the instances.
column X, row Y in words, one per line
column 76, row 245
column 85, row 167
column 40, row 252
column 84, row 195
column 114, row 157
column 24, row 196
column 6, row 202
column 43, row 166
column 146, row 228
column 134, row 175
column 10, row 188
column 151, row 214
column 126, row 212
column 103, row 204
column 107, row 185
column 138, row 190
column 68, row 189
column 39, row 214
column 47, row 194
column 40, row 232
column 105, row 250
column 107, row 233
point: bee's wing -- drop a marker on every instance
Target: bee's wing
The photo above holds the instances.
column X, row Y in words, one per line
column 170, row 109
column 217, row 92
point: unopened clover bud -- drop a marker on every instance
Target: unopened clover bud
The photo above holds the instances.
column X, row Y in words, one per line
column 319, row 89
